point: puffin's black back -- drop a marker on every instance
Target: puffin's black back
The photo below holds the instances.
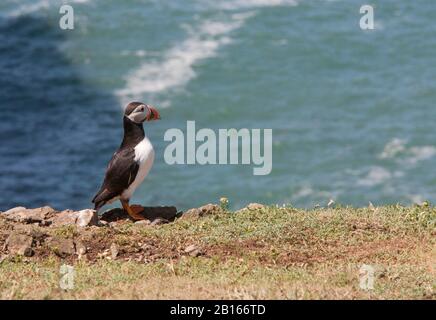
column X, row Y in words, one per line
column 122, row 168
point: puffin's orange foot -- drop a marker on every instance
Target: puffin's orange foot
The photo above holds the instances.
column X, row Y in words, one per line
column 133, row 211
column 137, row 209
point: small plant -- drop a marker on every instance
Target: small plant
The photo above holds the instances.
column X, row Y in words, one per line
column 224, row 203
column 66, row 232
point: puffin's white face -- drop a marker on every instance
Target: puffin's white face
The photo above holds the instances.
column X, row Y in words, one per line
column 140, row 114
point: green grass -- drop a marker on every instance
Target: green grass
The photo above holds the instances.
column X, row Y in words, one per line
column 271, row 253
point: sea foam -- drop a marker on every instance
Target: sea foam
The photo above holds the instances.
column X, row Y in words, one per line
column 176, row 68
column 36, row 6
column 398, row 150
column 375, row 176
column 251, row 4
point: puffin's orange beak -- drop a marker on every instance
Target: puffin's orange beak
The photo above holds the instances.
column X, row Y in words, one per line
column 153, row 114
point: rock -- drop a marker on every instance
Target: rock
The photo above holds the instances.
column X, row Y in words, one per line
column 48, row 216
column 14, row 210
column 151, row 213
column 63, row 218
column 113, row 215
column 201, row 211
column 158, row 221
column 190, row 248
column 81, row 218
column 251, row 207
column 86, row 218
column 255, row 206
column 62, row 247
column 23, row 215
column 209, row 209
column 191, row 213
column 143, row 222
column 80, row 249
column 193, row 250
column 103, row 223
column 113, row 224
column 114, row 251
column 38, row 235
column 168, row 213
column 104, row 255
column 20, row 244
column 26, row 251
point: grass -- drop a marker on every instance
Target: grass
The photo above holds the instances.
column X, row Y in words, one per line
column 270, row 253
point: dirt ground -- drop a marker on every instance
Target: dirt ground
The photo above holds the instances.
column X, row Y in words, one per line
column 262, row 252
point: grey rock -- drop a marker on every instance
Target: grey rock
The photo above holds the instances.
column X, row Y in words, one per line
column 103, row 223
column 191, row 213
column 209, row 209
column 23, row 215
column 195, row 253
column 255, row 206
column 114, row 251
column 81, row 218
column 14, row 210
column 159, row 221
column 113, row 224
column 20, row 244
column 193, row 250
column 205, row 210
column 62, row 247
column 63, row 218
column 145, row 222
column 80, row 248
column 190, row 248
column 26, row 251
column 86, row 218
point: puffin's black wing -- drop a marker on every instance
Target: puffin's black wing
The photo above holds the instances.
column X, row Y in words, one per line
column 120, row 173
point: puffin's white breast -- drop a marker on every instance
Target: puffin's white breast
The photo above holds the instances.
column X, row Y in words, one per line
column 144, row 155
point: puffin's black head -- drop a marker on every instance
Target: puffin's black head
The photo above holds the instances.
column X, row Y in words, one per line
column 139, row 112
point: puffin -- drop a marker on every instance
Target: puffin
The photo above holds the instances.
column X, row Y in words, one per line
column 131, row 163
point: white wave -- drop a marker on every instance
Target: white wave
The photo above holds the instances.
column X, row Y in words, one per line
column 244, row 4
column 176, row 68
column 25, row 9
column 136, row 53
column 420, row 153
column 392, row 148
column 29, row 8
column 375, row 176
column 397, row 149
column 243, row 15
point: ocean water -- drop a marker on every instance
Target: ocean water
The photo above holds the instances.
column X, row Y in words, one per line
column 353, row 112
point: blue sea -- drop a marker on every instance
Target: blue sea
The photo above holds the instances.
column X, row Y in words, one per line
column 353, row 112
